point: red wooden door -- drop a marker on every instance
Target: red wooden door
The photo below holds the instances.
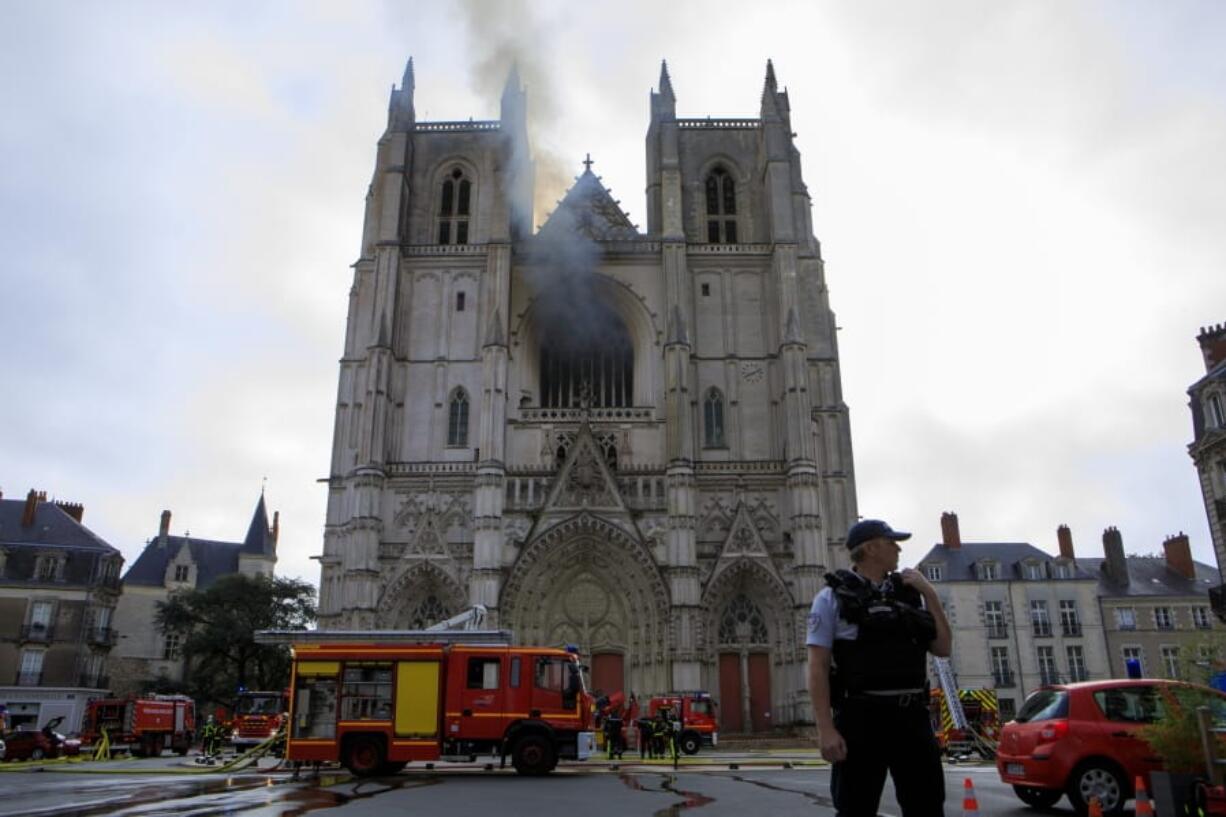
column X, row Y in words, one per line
column 608, row 672
column 760, row 691
column 730, row 692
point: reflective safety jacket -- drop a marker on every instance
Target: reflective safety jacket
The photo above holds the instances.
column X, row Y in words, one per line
column 891, row 649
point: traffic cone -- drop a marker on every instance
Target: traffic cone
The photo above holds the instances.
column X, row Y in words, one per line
column 970, row 803
column 1096, row 807
column 1144, row 807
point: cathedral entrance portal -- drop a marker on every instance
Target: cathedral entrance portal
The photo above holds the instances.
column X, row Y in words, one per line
column 587, row 582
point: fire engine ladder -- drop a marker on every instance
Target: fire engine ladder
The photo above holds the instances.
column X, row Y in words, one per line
column 470, row 619
column 945, row 675
column 291, row 637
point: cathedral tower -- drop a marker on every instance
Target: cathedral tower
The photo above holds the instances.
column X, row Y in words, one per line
column 632, row 441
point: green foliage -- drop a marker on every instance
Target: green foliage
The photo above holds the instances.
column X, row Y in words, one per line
column 218, row 625
column 1175, row 737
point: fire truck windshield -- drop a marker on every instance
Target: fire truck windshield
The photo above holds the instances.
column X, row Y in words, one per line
column 259, row 705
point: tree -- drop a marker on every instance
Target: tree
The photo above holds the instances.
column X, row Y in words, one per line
column 218, row 624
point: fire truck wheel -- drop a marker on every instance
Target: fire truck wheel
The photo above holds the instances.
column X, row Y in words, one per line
column 533, row 755
column 690, row 742
column 364, row 756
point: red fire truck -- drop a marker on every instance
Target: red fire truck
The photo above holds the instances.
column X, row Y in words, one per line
column 697, row 711
column 257, row 717
column 375, row 701
column 146, row 725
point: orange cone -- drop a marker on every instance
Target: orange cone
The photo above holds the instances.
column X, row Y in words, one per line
column 970, row 803
column 1096, row 807
column 1144, row 807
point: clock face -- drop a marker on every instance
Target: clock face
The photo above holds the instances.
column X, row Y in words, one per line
column 753, row 372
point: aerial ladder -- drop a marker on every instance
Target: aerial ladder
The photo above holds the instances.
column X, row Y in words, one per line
column 471, row 619
column 957, row 716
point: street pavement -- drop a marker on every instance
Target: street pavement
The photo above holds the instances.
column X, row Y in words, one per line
column 721, row 783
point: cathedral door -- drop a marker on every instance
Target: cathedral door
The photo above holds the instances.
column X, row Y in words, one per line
column 760, row 691
column 731, row 720
column 608, row 672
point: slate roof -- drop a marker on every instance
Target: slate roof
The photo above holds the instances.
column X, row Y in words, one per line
column 1149, row 576
column 52, row 527
column 958, row 564
column 213, row 558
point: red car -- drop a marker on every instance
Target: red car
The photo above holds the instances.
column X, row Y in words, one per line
column 1084, row 739
column 37, row 745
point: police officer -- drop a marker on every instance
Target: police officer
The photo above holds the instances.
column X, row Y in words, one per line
column 869, row 634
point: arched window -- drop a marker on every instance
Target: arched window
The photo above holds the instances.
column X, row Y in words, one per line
column 428, row 612
column 454, row 207
column 742, row 622
column 457, row 419
column 588, row 360
column 721, row 207
column 713, row 419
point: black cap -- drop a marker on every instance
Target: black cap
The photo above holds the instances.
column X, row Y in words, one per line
column 867, row 529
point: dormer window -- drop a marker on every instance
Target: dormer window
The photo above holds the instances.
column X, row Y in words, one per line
column 1063, row 570
column 1032, row 571
column 454, row 207
column 1214, row 409
column 932, row 573
column 721, row 207
column 987, row 572
column 182, row 572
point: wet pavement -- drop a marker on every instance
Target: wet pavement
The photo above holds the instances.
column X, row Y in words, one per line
column 777, row 783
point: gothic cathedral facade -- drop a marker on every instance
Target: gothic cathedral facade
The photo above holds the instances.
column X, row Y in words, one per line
column 631, row 441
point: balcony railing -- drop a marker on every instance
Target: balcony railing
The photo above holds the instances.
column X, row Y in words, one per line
column 1071, row 628
column 1078, row 674
column 29, row 679
column 94, row 681
column 102, row 636
column 998, row 631
column 37, row 632
column 1048, row 677
column 1002, row 678
column 1041, row 629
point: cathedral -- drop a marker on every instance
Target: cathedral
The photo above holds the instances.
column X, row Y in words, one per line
column 633, row 441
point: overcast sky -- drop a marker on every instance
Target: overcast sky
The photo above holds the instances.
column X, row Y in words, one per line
column 1021, row 207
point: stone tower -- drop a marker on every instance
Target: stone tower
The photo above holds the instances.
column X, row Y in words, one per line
column 632, row 441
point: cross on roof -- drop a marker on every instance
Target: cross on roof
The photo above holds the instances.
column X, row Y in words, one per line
column 587, row 163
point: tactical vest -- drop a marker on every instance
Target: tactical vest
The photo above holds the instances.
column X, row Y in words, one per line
column 891, row 650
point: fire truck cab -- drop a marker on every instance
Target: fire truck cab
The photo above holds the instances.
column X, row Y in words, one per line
column 375, row 701
column 258, row 716
column 697, row 712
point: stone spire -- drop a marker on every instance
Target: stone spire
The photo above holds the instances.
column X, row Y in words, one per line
column 664, row 101
column 400, row 113
column 666, row 84
column 770, row 90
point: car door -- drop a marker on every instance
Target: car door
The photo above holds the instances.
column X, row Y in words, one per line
column 1115, row 723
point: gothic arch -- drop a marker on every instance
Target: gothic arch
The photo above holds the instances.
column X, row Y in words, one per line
column 410, row 592
column 627, row 305
column 587, row 581
column 747, row 576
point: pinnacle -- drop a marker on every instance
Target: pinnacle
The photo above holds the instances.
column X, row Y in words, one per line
column 406, row 82
column 666, row 84
column 513, row 84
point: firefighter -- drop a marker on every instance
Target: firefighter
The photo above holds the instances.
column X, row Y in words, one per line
column 662, row 733
column 210, row 739
column 613, row 733
column 644, row 730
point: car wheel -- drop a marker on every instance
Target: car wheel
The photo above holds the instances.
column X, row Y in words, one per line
column 37, row 753
column 1038, row 798
column 690, row 743
column 533, row 755
column 1100, row 779
column 364, row 756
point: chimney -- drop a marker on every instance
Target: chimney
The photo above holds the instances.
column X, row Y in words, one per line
column 1065, row 537
column 950, row 537
column 164, row 529
column 276, row 526
column 1114, row 565
column 1179, row 555
column 74, row 509
column 27, row 513
column 1212, row 340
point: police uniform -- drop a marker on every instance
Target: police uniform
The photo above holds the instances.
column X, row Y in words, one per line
column 878, row 636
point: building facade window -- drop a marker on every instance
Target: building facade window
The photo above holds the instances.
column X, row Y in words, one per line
column 1200, row 618
column 171, row 645
column 454, row 205
column 1047, row 665
column 932, row 573
column 721, row 207
column 1008, row 709
column 1170, row 660
column 1133, row 653
column 1039, row 621
column 1002, row 675
column 1216, row 415
column 459, row 302
column 1070, row 624
column 1076, row 663
column 1163, row 618
column 1126, row 618
column 987, row 571
column 1062, row 570
column 457, row 419
column 31, row 672
column 994, row 618
column 182, row 572
column 1032, row 571
column 713, row 419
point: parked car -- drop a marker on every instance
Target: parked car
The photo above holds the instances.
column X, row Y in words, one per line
column 45, row 743
column 1084, row 740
